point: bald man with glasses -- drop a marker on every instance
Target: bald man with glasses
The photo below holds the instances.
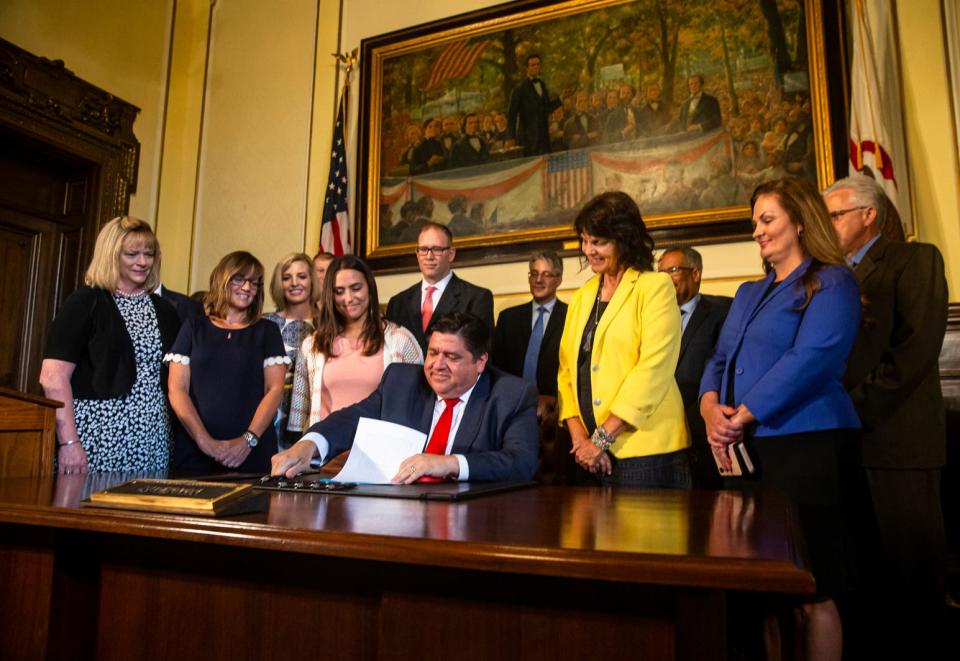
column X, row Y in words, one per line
column 440, row 291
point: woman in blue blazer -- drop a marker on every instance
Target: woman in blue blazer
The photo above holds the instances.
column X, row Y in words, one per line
column 775, row 382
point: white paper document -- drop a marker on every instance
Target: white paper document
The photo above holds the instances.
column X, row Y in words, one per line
column 378, row 449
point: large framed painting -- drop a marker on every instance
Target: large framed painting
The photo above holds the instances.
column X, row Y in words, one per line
column 502, row 123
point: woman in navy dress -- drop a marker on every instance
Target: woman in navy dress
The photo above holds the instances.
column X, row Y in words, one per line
column 775, row 382
column 226, row 376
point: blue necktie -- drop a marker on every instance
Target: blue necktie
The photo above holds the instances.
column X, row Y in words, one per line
column 533, row 349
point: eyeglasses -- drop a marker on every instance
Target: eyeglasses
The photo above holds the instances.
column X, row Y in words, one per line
column 676, row 269
column 436, row 251
column 840, row 213
column 239, row 280
column 536, row 275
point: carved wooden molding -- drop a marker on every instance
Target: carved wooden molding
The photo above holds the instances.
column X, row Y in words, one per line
column 44, row 100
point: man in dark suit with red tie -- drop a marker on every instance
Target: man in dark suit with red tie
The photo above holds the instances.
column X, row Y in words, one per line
column 440, row 291
column 701, row 318
column 480, row 422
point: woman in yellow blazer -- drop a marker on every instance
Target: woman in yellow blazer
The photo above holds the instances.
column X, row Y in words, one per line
column 618, row 396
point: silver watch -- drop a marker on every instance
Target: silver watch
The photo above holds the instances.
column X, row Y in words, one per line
column 250, row 438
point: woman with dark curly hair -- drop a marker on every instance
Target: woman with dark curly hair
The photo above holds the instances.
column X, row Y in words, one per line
column 618, row 353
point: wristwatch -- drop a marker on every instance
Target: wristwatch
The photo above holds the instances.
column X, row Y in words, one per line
column 251, row 438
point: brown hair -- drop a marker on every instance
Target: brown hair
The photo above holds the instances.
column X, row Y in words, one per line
column 331, row 323
column 218, row 296
column 808, row 212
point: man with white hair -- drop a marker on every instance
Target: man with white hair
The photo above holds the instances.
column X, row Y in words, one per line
column 893, row 379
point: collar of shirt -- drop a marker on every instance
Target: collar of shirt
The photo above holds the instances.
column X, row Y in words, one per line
column 441, row 285
column 688, row 309
column 458, row 410
column 858, row 256
column 547, row 311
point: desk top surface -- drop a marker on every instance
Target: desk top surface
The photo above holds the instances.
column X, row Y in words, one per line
column 723, row 539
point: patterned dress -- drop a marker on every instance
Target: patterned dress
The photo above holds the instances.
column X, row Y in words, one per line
column 293, row 332
column 132, row 432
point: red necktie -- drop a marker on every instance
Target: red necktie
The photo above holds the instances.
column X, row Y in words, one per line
column 441, row 434
column 427, row 310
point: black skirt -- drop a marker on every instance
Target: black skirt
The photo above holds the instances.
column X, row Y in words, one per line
column 819, row 472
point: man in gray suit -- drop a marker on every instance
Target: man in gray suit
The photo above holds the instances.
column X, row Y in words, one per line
column 701, row 318
column 893, row 379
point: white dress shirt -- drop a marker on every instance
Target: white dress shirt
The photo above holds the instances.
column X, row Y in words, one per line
column 323, row 446
column 547, row 311
column 441, row 286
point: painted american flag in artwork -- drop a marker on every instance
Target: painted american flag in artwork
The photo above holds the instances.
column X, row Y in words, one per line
column 455, row 61
column 568, row 179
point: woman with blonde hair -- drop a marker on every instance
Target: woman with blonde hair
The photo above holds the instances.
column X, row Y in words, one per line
column 104, row 357
column 226, row 376
column 775, row 383
column 343, row 360
column 295, row 290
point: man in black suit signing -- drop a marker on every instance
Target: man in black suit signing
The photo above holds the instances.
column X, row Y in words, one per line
column 894, row 382
column 701, row 318
column 440, row 291
column 527, row 340
column 528, row 117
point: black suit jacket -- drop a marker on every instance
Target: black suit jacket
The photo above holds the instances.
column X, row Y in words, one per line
column 514, row 327
column 464, row 155
column 497, row 433
column 892, row 373
column 528, row 117
column 707, row 114
column 460, row 295
column 185, row 306
column 696, row 345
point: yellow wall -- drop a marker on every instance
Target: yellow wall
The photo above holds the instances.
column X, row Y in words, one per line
column 931, row 139
column 118, row 45
column 252, row 89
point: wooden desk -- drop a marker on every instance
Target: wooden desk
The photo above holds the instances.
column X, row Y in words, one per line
column 544, row 573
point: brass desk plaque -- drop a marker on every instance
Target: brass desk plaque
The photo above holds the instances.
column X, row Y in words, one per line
column 179, row 497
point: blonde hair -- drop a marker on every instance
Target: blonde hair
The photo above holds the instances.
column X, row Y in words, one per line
column 217, row 298
column 104, row 269
column 276, row 282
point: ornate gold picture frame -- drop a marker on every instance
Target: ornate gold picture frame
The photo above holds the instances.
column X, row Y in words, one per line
column 502, row 123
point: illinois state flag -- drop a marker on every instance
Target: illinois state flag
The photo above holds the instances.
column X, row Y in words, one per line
column 335, row 228
column 877, row 145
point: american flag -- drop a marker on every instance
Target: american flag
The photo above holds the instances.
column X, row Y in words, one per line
column 568, row 179
column 335, row 228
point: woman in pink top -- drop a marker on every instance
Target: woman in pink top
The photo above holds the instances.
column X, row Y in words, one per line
column 342, row 361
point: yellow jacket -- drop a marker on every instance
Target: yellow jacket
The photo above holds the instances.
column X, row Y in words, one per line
column 635, row 351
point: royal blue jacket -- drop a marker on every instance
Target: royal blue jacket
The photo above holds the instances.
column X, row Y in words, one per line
column 788, row 365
